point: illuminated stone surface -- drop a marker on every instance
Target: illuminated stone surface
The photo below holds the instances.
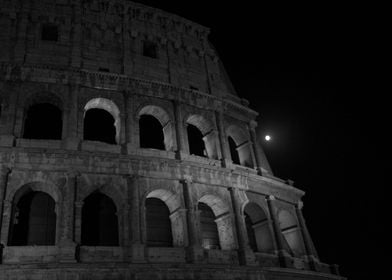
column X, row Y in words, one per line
column 128, row 60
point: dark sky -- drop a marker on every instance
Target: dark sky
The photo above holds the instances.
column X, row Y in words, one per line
column 302, row 68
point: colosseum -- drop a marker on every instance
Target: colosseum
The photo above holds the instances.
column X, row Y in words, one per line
column 125, row 153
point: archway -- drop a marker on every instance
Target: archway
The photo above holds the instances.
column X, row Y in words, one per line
column 99, row 221
column 43, row 121
column 158, row 224
column 208, row 227
column 151, row 133
column 103, row 122
column 240, row 146
column 33, row 220
column 99, row 126
column 291, row 233
column 258, row 230
column 195, row 140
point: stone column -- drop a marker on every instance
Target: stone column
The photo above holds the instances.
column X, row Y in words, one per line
column 5, row 223
column 224, row 145
column 182, row 145
column 8, row 115
column 78, row 222
column 246, row 255
column 4, row 174
column 282, row 254
column 67, row 243
column 194, row 249
column 311, row 253
column 127, row 46
column 260, row 157
column 131, row 125
column 19, row 49
column 136, row 250
column 72, row 140
column 76, row 36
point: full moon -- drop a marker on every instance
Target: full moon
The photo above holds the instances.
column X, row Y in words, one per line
column 267, row 138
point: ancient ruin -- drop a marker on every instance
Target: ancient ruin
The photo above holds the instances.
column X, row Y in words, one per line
column 125, row 153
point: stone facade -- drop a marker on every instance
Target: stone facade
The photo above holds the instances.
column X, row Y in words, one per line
column 131, row 60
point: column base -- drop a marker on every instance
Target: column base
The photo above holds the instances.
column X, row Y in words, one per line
column 7, row 140
column 227, row 163
column 195, row 254
column 284, row 259
column 181, row 155
column 247, row 257
column 71, row 143
column 67, row 252
column 136, row 253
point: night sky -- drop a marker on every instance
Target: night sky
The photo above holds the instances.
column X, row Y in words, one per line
column 302, row 68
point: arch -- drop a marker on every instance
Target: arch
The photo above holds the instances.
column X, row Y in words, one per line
column 177, row 223
column 201, row 136
column 33, row 219
column 166, row 125
column 108, row 106
column 151, row 133
column 43, row 116
column 37, row 186
column 99, row 221
column 291, row 233
column 258, row 228
column 158, row 224
column 240, row 146
column 43, row 121
column 208, row 227
column 222, row 218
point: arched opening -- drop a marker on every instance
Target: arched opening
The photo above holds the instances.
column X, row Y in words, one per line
column 43, row 121
column 33, row 220
column 159, row 233
column 99, row 221
column 208, row 227
column 240, row 146
column 291, row 233
column 233, row 151
column 151, row 133
column 196, row 142
column 99, row 126
column 257, row 226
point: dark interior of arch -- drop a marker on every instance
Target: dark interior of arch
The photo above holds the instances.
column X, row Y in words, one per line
column 33, row 220
column 251, row 233
column 99, row 221
column 43, row 121
column 233, row 151
column 151, row 133
column 196, row 143
column 158, row 222
column 209, row 229
column 99, row 126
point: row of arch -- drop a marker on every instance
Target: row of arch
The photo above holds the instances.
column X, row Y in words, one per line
column 34, row 222
column 43, row 119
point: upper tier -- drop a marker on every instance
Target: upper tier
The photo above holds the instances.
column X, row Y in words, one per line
column 117, row 36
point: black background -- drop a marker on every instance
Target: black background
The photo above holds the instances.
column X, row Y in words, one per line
column 306, row 69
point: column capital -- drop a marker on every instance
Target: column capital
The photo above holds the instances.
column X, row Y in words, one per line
column 73, row 173
column 270, row 197
column 300, row 205
column 79, row 204
column 4, row 170
column 186, row 180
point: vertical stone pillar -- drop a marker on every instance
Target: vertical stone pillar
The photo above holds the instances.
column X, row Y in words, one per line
column 277, row 232
column 260, row 157
column 76, row 35
column 67, row 244
column 182, row 145
column 78, row 222
column 72, row 140
column 131, row 125
column 136, row 250
column 127, row 59
column 311, row 253
column 224, row 146
column 8, row 115
column 194, row 249
column 246, row 255
column 5, row 223
column 19, row 50
column 4, row 174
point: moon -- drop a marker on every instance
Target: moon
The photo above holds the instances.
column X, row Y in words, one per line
column 267, row 138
